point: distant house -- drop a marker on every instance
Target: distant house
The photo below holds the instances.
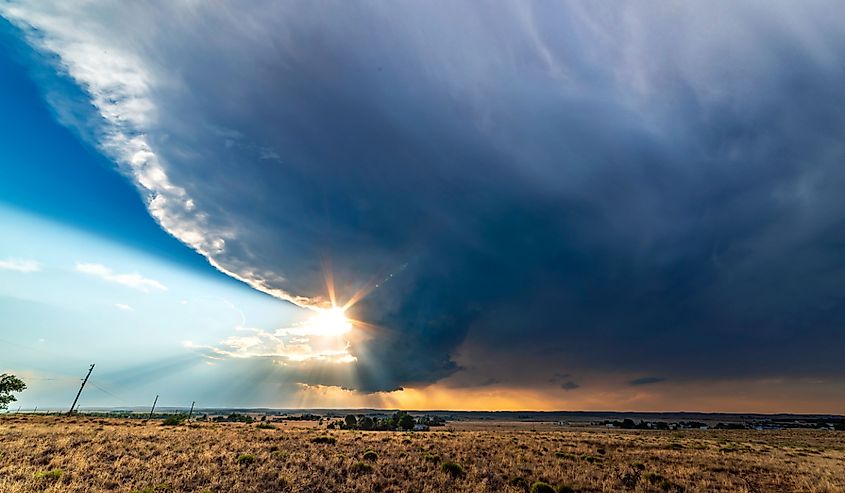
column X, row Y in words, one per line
column 420, row 427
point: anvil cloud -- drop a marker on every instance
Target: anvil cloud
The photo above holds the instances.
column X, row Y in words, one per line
column 536, row 189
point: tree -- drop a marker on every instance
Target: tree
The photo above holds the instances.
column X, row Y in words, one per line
column 9, row 384
column 406, row 422
column 351, row 421
column 365, row 423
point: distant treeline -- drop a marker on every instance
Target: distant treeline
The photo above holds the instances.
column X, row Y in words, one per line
column 829, row 423
column 400, row 420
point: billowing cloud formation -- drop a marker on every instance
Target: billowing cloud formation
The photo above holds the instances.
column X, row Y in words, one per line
column 639, row 189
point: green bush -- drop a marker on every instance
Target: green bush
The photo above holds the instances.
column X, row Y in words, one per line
column 246, row 459
column 565, row 488
column 541, row 487
column 591, row 459
column 175, row 420
column 52, row 474
column 325, row 439
column 370, row 455
column 265, row 426
column 361, row 468
column 432, row 458
column 453, row 469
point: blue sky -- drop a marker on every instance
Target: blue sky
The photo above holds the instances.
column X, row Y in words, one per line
column 542, row 205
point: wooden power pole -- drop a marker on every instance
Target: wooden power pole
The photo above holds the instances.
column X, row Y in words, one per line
column 191, row 411
column 80, row 389
column 154, row 407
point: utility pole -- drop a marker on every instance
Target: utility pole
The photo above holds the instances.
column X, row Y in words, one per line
column 80, row 389
column 191, row 411
column 154, row 407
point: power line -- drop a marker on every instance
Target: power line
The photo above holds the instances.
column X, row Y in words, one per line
column 101, row 389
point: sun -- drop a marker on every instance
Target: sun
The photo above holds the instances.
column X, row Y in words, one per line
column 329, row 322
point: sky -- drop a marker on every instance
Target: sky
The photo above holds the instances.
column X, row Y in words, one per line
column 573, row 206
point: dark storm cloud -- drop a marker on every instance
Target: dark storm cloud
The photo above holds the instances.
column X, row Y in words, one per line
column 646, row 381
column 570, row 385
column 638, row 190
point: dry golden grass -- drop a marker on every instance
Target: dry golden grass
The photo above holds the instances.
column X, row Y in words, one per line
column 52, row 454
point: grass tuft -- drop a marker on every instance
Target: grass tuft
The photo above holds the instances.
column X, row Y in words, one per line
column 541, row 487
column 52, row 474
column 361, row 468
column 453, row 469
column 246, row 459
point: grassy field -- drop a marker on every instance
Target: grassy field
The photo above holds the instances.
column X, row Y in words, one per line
column 79, row 454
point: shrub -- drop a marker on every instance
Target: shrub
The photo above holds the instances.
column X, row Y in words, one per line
column 565, row 488
column 432, row 458
column 566, row 455
column 452, row 469
column 361, row 468
column 370, row 455
column 653, row 477
column 175, row 420
column 325, row 439
column 246, row 459
column 519, row 482
column 541, row 487
column 156, row 488
column 592, row 459
column 52, row 474
column 638, row 465
column 265, row 426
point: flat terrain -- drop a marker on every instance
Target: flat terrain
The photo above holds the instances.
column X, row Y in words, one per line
column 81, row 454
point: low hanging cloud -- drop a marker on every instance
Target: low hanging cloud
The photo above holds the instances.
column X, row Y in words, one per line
column 569, row 385
column 20, row 265
column 130, row 280
column 647, row 189
column 646, row 381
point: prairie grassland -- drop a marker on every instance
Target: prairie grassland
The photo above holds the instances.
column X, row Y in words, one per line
column 79, row 454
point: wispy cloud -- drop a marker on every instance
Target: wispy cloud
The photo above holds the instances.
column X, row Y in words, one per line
column 131, row 280
column 570, row 385
column 646, row 381
column 123, row 306
column 20, row 265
